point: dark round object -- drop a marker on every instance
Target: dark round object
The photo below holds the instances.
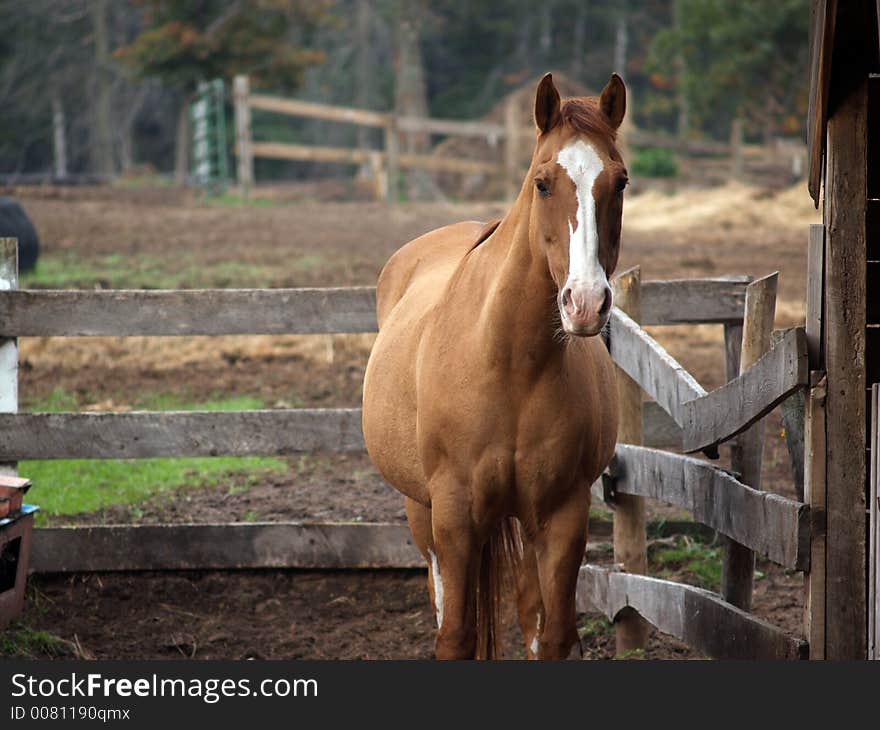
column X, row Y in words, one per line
column 14, row 223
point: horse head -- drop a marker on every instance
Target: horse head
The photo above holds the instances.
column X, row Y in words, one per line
column 577, row 178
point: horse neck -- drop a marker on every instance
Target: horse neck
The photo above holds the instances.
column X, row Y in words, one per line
column 519, row 315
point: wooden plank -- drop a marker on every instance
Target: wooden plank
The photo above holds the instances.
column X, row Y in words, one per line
column 844, row 320
column 452, row 127
column 821, row 47
column 120, row 312
column 874, row 534
column 8, row 345
column 142, row 435
column 299, row 108
column 698, row 617
column 694, row 301
column 792, row 412
column 223, row 546
column 642, row 358
column 776, row 527
column 310, row 153
column 435, row 163
column 814, row 496
column 735, row 406
column 815, row 294
column 357, row 156
column 630, row 537
column 391, row 140
column 738, row 561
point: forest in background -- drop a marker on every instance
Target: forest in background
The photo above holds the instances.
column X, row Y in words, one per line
column 110, row 81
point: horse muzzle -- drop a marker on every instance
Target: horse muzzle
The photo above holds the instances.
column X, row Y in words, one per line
column 583, row 308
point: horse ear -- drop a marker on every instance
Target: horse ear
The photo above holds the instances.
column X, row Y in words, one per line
column 612, row 101
column 548, row 112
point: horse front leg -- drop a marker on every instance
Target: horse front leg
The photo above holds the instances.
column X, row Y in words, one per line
column 455, row 565
column 530, row 607
column 560, row 545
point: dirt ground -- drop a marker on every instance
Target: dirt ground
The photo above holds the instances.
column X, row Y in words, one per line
column 302, row 241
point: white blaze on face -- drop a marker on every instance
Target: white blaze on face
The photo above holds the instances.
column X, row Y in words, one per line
column 438, row 588
column 583, row 165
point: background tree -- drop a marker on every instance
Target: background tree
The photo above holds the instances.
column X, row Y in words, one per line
column 746, row 58
column 186, row 41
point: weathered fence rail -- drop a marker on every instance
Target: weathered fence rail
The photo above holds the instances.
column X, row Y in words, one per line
column 772, row 526
column 505, row 139
column 696, row 616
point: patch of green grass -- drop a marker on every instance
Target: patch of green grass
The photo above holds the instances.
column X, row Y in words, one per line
column 595, row 626
column 71, row 486
column 702, row 562
column 235, row 200
column 22, row 642
column 67, row 270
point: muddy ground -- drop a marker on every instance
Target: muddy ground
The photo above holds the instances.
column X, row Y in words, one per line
column 307, row 242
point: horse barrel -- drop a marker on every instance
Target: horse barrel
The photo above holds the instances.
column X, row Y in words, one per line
column 14, row 223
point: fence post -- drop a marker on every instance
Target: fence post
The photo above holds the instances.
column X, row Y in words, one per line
column 630, row 541
column 814, row 445
column 874, row 529
column 511, row 151
column 243, row 134
column 8, row 346
column 392, row 169
column 738, row 564
column 736, row 149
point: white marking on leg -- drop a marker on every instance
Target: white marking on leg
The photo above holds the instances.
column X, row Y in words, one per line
column 534, row 645
column 583, row 165
column 438, row 588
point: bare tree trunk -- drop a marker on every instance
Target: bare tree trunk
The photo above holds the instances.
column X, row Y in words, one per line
column 126, row 128
column 684, row 111
column 621, row 39
column 364, row 68
column 577, row 56
column 181, row 148
column 59, row 140
column 410, row 93
column 545, row 36
column 102, row 142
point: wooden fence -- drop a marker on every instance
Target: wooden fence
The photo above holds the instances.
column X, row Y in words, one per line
column 711, row 160
column 386, row 163
column 680, row 414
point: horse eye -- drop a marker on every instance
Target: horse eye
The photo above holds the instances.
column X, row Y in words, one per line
column 621, row 184
column 543, row 189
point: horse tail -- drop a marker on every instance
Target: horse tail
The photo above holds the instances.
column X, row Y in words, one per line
column 499, row 563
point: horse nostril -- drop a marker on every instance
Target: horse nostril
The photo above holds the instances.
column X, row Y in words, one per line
column 606, row 303
column 566, row 298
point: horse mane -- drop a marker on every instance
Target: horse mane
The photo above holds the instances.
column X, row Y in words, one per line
column 584, row 115
column 486, row 231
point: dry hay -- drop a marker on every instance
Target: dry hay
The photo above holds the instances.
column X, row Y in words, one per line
column 732, row 205
column 168, row 353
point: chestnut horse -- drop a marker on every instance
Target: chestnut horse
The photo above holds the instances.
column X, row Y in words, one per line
column 488, row 396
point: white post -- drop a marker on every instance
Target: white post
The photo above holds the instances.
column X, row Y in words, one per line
column 243, row 149
column 8, row 345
